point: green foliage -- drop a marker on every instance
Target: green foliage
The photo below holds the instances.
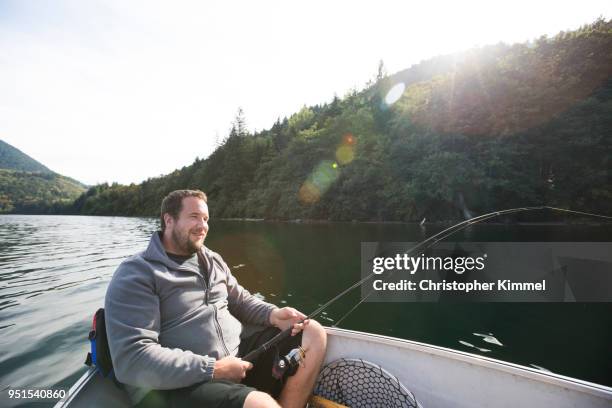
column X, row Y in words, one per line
column 302, row 120
column 493, row 128
column 14, row 159
column 35, row 192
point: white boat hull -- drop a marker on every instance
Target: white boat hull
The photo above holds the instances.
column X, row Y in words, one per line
column 441, row 377
column 437, row 376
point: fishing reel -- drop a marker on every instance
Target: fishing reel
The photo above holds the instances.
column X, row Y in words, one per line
column 288, row 364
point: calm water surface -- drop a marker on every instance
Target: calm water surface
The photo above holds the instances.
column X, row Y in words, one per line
column 54, row 271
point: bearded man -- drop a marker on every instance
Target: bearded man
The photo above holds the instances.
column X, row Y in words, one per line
column 175, row 318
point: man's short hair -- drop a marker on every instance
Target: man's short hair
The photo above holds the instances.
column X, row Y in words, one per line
column 173, row 203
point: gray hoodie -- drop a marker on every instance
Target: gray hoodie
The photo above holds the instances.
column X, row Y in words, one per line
column 167, row 324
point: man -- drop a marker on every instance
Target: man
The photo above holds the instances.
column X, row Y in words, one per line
column 175, row 314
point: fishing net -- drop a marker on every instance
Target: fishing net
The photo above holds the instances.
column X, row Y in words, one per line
column 357, row 383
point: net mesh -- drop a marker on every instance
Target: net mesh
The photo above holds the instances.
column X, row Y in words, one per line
column 357, row 383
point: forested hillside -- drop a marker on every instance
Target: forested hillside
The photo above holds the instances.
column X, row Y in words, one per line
column 490, row 128
column 27, row 186
column 14, row 159
column 36, row 192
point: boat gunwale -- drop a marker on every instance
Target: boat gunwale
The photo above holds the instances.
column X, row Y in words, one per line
column 80, row 384
column 438, row 351
column 483, row 361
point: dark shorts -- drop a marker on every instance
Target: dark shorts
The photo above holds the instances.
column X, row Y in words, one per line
column 226, row 394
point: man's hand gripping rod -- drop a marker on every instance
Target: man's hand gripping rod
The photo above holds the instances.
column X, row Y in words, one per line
column 252, row 356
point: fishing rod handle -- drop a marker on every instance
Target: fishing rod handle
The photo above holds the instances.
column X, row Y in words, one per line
column 251, row 356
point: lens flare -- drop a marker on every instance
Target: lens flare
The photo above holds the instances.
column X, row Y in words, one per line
column 348, row 139
column 345, row 154
column 324, row 175
column 263, row 265
column 309, row 193
column 395, row 93
column 319, row 181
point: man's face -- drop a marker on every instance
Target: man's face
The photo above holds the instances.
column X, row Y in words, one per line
column 189, row 230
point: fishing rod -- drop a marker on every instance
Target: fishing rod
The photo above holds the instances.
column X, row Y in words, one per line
column 423, row 245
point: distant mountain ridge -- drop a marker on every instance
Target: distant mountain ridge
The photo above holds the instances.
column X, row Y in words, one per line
column 28, row 186
column 12, row 158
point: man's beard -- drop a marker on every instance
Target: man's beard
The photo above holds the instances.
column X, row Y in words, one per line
column 184, row 243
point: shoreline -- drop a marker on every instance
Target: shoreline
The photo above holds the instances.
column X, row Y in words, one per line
column 318, row 221
column 446, row 222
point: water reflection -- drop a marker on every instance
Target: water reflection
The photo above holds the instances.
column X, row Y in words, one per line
column 54, row 272
column 53, row 275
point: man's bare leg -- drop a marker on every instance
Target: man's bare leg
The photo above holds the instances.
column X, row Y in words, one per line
column 258, row 399
column 299, row 386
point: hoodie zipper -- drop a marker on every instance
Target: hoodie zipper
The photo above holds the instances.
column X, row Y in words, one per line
column 215, row 317
column 220, row 332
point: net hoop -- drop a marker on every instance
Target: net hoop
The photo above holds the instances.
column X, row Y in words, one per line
column 357, row 383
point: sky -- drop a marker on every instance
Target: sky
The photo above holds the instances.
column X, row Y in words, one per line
column 120, row 91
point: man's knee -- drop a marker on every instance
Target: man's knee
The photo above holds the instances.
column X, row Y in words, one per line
column 258, row 399
column 316, row 334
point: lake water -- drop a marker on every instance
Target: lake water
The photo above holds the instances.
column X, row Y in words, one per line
column 54, row 271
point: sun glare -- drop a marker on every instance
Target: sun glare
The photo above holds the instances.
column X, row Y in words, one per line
column 395, row 93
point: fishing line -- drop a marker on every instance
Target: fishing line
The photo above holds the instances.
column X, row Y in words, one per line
column 458, row 227
column 424, row 245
